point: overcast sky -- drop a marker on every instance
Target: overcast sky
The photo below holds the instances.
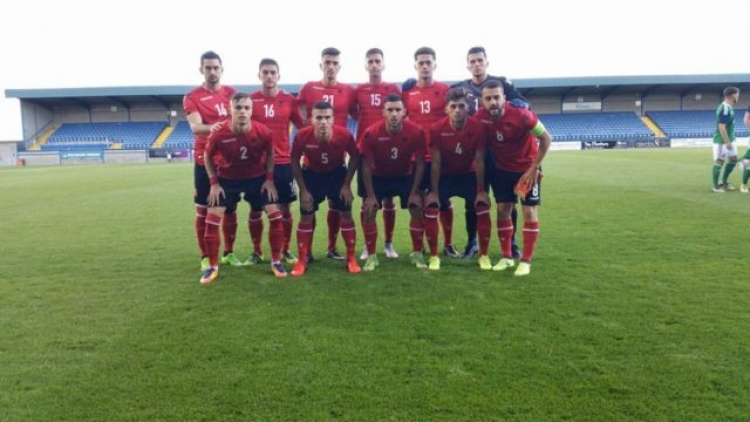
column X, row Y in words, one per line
column 95, row 43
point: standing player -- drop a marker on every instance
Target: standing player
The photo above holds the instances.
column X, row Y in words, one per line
column 457, row 145
column 368, row 100
column 324, row 147
column 745, row 163
column 425, row 105
column 388, row 149
column 341, row 98
column 205, row 106
column 246, row 151
column 519, row 142
column 725, row 144
column 477, row 64
column 276, row 109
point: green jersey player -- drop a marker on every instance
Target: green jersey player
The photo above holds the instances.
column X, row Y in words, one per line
column 725, row 144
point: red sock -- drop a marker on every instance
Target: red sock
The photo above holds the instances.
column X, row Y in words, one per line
column 229, row 230
column 213, row 222
column 255, row 225
column 288, row 222
column 200, row 228
column 416, row 231
column 484, row 228
column 275, row 234
column 334, row 225
column 305, row 232
column 530, row 236
column 431, row 228
column 446, row 221
column 349, row 233
column 389, row 219
column 505, row 234
column 371, row 237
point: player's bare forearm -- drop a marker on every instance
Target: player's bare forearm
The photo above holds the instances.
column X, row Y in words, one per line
column 418, row 174
column 435, row 170
column 724, row 134
column 479, row 169
column 297, row 174
column 367, row 177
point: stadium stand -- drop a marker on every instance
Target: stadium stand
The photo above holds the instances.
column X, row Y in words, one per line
column 693, row 123
column 595, row 126
column 78, row 136
column 181, row 137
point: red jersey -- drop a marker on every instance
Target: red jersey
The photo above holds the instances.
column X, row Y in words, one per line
column 242, row 154
column 276, row 113
column 340, row 96
column 213, row 106
column 324, row 157
column 426, row 106
column 369, row 100
column 392, row 154
column 457, row 147
column 509, row 138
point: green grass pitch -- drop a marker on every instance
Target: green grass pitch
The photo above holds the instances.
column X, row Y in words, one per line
column 637, row 308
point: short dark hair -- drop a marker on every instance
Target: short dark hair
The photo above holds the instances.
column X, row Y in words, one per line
column 330, row 51
column 374, row 50
column 730, row 90
column 322, row 105
column 425, row 50
column 456, row 94
column 210, row 55
column 476, row 50
column 239, row 96
column 268, row 62
column 394, row 97
column 492, row 84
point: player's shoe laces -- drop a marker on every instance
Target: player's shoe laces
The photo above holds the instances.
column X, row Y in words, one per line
column 504, row 264
column 434, row 263
column 232, row 260
column 278, row 270
column 253, row 259
column 744, row 189
column 719, row 189
column 484, row 263
column 471, row 249
column 289, row 258
column 389, row 250
column 417, row 258
column 299, row 269
column 334, row 254
column 371, row 263
column 205, row 264
column 524, row 268
column 364, row 254
column 450, row 251
column 352, row 266
column 209, row 275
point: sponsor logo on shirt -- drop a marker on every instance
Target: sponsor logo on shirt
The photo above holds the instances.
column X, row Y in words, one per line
column 226, row 141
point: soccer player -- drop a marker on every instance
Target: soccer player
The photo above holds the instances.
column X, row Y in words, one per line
column 457, row 145
column 477, row 64
column 425, row 105
column 246, row 151
column 368, row 101
column 745, row 162
column 324, row 147
column 725, row 144
column 276, row 109
column 341, row 98
column 387, row 150
column 206, row 106
column 518, row 142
